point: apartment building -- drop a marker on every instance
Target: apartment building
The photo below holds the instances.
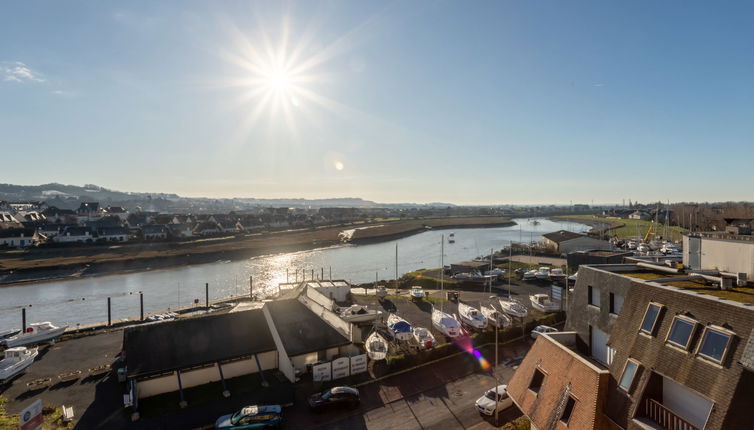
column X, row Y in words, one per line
column 645, row 348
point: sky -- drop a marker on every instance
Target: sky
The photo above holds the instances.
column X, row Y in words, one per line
column 488, row 102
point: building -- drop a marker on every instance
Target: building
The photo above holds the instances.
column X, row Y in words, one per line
column 678, row 348
column 113, row 234
column 640, row 215
column 576, row 259
column 469, row 267
column 284, row 335
column 118, row 211
column 73, row 234
column 180, row 230
column 564, row 242
column 89, row 211
column 725, row 252
column 17, row 237
column 154, row 232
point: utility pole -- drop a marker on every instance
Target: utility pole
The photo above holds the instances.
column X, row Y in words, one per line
column 510, row 266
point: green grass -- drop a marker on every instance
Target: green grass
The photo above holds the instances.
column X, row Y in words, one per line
column 625, row 228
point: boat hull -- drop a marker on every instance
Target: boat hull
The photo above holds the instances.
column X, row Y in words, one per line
column 23, row 340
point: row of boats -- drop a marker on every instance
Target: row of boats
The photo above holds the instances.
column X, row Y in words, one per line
column 17, row 356
column 451, row 325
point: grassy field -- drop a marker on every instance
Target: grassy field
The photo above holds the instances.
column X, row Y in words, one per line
column 624, row 228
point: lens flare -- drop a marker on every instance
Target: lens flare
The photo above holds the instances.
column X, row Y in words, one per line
column 464, row 342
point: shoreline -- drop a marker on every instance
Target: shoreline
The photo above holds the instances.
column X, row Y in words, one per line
column 196, row 255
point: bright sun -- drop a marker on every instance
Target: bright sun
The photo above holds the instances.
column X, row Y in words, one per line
column 279, row 80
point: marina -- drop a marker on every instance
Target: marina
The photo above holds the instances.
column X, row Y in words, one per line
column 84, row 301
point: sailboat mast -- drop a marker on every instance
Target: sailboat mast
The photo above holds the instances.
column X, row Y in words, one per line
column 442, row 269
column 510, row 266
column 490, row 275
column 396, row 266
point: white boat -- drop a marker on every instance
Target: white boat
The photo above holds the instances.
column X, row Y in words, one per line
column 494, row 317
column 417, row 293
column 9, row 333
column 424, row 337
column 557, row 275
column 358, row 313
column 529, row 275
column 471, row 316
column 35, row 333
column 513, row 308
column 452, row 238
column 447, row 325
column 543, row 303
column 399, row 328
column 497, row 272
column 376, row 346
column 16, row 360
column 381, row 292
column 543, row 273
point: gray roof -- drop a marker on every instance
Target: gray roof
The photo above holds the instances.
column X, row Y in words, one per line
column 562, row 236
column 168, row 346
column 301, row 330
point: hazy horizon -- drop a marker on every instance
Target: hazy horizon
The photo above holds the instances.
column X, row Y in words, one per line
column 490, row 103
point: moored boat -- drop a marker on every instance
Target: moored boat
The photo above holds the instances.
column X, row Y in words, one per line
column 358, row 313
column 424, row 337
column 376, row 346
column 529, row 275
column 494, row 317
column 513, row 308
column 399, row 328
column 447, row 325
column 35, row 333
column 543, row 273
column 381, row 292
column 471, row 316
column 543, row 303
column 16, row 360
column 557, row 275
column 417, row 293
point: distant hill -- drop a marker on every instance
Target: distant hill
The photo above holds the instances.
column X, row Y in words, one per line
column 69, row 197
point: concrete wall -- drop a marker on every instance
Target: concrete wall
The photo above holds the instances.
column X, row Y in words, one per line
column 321, row 299
column 724, row 255
column 345, row 328
column 268, row 360
column 200, row 376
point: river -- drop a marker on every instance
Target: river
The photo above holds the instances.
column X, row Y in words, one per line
column 84, row 300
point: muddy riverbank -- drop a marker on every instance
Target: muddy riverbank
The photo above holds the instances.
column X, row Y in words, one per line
column 45, row 264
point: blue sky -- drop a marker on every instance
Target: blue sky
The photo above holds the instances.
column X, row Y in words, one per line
column 471, row 103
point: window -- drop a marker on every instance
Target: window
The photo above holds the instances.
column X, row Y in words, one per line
column 568, row 410
column 714, row 344
column 594, row 296
column 628, row 374
column 616, row 303
column 650, row 318
column 536, row 380
column 681, row 331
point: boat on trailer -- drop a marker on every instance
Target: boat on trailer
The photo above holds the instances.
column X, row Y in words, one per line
column 35, row 333
column 358, row 313
column 543, row 303
column 471, row 316
column 399, row 328
column 494, row 317
column 16, row 361
column 514, row 308
column 376, row 346
column 447, row 325
column 424, row 337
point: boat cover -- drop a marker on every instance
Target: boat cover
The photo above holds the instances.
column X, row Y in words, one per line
column 401, row 327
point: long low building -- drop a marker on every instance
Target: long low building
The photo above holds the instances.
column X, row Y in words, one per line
column 285, row 335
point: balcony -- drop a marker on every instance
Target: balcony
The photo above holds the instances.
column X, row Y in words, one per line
column 662, row 418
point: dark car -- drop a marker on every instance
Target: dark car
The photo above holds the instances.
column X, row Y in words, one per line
column 336, row 397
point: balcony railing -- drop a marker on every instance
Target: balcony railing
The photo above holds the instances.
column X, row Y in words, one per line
column 665, row 417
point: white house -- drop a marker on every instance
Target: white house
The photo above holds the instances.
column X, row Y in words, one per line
column 74, row 234
column 17, row 237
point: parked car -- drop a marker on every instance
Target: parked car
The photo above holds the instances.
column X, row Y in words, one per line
column 251, row 417
column 336, row 397
column 542, row 329
column 486, row 404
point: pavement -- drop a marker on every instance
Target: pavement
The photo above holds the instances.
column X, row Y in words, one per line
column 438, row 396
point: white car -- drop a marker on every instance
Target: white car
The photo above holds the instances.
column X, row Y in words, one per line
column 542, row 329
column 486, row 404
